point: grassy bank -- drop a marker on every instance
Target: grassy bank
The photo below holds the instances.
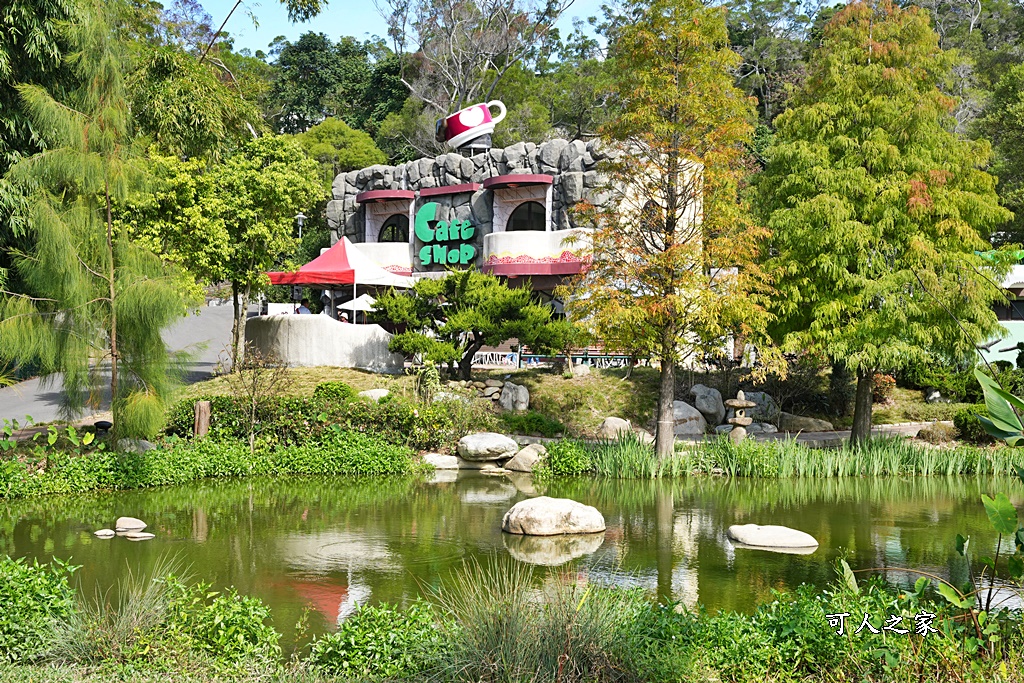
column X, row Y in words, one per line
column 501, row 622
column 630, row 458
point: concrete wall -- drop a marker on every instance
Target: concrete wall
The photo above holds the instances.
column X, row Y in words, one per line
column 312, row 340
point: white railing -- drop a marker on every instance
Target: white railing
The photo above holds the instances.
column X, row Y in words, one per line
column 496, row 358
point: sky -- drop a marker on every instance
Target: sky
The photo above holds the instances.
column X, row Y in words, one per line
column 358, row 18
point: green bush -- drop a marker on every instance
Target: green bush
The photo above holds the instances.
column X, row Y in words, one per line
column 969, row 427
column 229, row 628
column 957, row 384
column 531, row 423
column 33, row 597
column 381, row 642
column 566, row 458
column 333, row 392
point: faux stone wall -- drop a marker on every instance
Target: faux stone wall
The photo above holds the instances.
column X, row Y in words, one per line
column 572, row 164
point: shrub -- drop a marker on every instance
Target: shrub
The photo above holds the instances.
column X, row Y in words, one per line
column 34, row 597
column 333, row 392
column 969, row 427
column 566, row 458
column 952, row 382
column 344, row 452
column 381, row 642
column 532, row 423
column 938, row 433
column 882, row 388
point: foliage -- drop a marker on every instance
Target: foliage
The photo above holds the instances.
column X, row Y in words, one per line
column 91, row 295
column 449, row 319
column 566, row 458
column 882, row 387
column 35, row 597
column 333, row 392
column 1003, row 125
column 967, row 422
column 256, row 379
column 952, row 381
column 380, row 642
column 531, row 423
column 876, row 217
column 938, row 433
column 339, row 148
column 673, row 252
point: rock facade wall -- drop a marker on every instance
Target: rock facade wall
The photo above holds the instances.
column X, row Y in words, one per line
column 573, row 166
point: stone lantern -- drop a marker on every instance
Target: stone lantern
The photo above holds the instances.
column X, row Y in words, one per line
column 740, row 421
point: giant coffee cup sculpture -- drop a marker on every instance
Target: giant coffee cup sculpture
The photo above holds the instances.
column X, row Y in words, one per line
column 740, row 421
column 470, row 128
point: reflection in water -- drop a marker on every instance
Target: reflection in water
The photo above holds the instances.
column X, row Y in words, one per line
column 330, row 543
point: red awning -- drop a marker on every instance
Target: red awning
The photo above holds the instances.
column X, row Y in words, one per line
column 329, row 268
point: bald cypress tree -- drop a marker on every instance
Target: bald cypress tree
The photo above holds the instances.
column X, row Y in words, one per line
column 877, row 207
column 93, row 302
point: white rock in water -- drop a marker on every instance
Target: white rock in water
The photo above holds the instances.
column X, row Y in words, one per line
column 104, row 533
column 139, row 535
column 129, row 524
column 771, row 536
column 487, row 446
column 442, row 462
column 544, row 516
column 526, row 458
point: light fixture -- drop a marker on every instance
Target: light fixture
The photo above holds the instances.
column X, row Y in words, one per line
column 300, row 218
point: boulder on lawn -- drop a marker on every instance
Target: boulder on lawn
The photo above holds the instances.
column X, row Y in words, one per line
column 645, row 436
column 441, row 462
column 796, row 423
column 544, row 516
column 613, row 427
column 526, row 458
column 770, row 536
column 374, row 394
column 766, row 410
column 580, row 370
column 688, row 420
column 551, row 551
column 491, row 391
column 496, row 383
column 514, row 397
column 487, row 446
column 762, row 428
column 708, row 401
column 449, row 396
column 129, row 524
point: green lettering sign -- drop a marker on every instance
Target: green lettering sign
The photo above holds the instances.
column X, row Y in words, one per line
column 437, row 239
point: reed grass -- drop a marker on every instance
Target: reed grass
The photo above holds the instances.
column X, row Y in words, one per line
column 631, row 458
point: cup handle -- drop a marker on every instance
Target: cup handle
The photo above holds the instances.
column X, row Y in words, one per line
column 500, row 105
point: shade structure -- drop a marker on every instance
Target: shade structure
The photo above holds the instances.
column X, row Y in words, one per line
column 364, row 302
column 342, row 264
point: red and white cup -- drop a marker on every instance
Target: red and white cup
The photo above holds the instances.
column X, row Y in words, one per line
column 469, row 123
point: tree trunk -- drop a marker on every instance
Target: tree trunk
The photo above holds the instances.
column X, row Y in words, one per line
column 240, row 300
column 666, row 440
column 234, row 326
column 466, row 364
column 114, row 407
column 861, row 431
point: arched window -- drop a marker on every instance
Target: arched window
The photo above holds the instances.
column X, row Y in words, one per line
column 395, row 229
column 528, row 216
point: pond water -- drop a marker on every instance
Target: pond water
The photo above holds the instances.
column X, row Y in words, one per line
column 328, row 543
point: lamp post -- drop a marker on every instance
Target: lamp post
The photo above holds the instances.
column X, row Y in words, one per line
column 300, row 218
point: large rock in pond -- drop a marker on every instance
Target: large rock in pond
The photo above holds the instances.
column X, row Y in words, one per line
column 796, row 423
column 129, row 524
column 514, row 397
column 551, row 551
column 708, row 402
column 487, row 446
column 688, row 420
column 770, row 536
column 613, row 428
column 526, row 458
column 544, row 516
column 441, row 462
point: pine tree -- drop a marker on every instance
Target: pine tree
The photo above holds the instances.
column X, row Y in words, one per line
column 94, row 302
column 877, row 207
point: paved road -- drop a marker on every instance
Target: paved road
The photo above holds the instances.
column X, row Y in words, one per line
column 205, row 337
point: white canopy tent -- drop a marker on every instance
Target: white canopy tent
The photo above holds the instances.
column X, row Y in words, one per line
column 367, row 273
column 364, row 302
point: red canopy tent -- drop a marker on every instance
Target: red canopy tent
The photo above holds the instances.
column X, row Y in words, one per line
column 329, row 268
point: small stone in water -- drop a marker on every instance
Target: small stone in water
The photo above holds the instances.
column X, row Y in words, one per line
column 104, row 533
column 139, row 536
column 129, row 524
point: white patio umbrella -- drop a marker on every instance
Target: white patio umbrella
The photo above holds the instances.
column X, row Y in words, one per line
column 364, row 302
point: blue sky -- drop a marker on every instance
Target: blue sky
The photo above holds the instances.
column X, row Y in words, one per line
column 357, row 18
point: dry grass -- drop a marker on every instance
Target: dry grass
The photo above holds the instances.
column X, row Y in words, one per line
column 302, row 382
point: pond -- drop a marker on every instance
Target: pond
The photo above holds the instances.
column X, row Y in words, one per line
column 328, row 543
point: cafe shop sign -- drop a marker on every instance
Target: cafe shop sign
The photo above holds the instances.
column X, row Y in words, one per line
column 444, row 242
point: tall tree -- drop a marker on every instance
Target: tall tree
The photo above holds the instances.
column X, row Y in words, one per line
column 674, row 249
column 1003, row 125
column 93, row 299
column 876, row 206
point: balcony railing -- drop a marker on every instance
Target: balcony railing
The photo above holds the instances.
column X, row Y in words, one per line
column 532, row 252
